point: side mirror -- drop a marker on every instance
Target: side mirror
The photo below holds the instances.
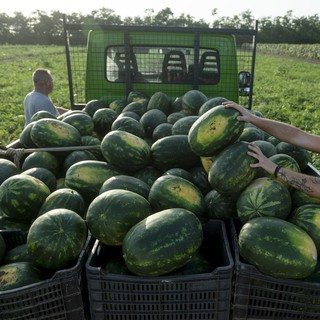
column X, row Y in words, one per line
column 244, row 82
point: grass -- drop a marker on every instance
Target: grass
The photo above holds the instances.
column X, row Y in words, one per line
column 286, row 89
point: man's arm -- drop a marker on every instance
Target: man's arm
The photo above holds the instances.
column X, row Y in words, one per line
column 280, row 130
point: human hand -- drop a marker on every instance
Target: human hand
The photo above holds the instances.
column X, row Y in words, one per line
column 245, row 116
column 263, row 162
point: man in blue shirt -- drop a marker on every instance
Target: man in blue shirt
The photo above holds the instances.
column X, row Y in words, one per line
column 38, row 99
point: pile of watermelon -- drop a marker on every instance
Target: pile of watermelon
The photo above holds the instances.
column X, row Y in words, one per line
column 143, row 175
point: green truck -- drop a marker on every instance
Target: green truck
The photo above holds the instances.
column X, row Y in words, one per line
column 108, row 62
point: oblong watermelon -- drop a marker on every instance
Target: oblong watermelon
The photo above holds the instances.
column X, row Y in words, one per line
column 18, row 274
column 277, row 248
column 111, row 214
column 170, row 191
column 87, row 177
column 173, row 152
column 307, row 217
column 127, row 183
column 125, row 150
column 162, row 242
column 230, row 171
column 54, row 133
column 215, row 130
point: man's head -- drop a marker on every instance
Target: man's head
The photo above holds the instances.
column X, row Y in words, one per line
column 43, row 81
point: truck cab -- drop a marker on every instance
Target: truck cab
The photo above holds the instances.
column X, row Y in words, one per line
column 115, row 60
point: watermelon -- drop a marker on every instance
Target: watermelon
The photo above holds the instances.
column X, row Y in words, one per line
column 301, row 155
column 173, row 152
column 251, row 133
column 7, row 169
column 41, row 115
column 87, row 177
column 137, row 96
column 7, row 223
column 93, row 105
column 215, row 130
column 130, row 125
column 198, row 264
column 138, row 107
column 277, row 247
column 220, row 206
column 163, row 242
column 17, row 254
column 22, row 195
column 230, row 172
column 160, row 101
column 116, row 265
column 179, row 172
column 192, row 101
column 162, row 130
column 264, row 197
column 76, row 156
column 111, row 214
column 54, row 133
column 64, row 198
column 300, row 198
column 56, row 239
column 149, row 175
column 117, row 105
column 307, row 217
column 129, row 114
column 25, row 138
column 267, row 148
column 44, row 175
column 170, row 191
column 42, row 159
column 92, row 141
column 18, row 274
column 102, row 121
column 151, row 119
column 183, row 125
column 211, row 103
column 200, row 179
column 176, row 105
column 127, row 183
column 81, row 121
column 175, row 116
column 125, row 150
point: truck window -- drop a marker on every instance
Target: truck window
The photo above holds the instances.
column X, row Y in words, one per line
column 154, row 64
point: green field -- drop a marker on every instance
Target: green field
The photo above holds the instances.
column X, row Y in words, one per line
column 285, row 88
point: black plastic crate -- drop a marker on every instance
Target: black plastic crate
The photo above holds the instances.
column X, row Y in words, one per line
column 260, row 296
column 199, row 296
column 62, row 297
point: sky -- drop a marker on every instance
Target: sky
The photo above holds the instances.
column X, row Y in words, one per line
column 199, row 9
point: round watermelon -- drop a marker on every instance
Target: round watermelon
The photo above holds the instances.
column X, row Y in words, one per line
column 44, row 175
column 160, row 101
column 7, row 169
column 81, row 121
column 264, row 197
column 130, row 125
column 111, row 214
column 230, row 172
column 102, row 121
column 151, row 119
column 64, row 198
column 192, row 101
column 22, row 195
column 56, row 239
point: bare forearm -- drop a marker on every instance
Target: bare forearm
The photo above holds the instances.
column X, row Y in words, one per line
column 306, row 183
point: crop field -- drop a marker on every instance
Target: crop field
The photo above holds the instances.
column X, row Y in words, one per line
column 286, row 88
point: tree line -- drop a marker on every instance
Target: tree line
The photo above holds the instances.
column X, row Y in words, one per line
column 43, row 28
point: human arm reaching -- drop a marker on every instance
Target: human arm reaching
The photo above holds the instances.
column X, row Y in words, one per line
column 280, row 130
column 303, row 182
